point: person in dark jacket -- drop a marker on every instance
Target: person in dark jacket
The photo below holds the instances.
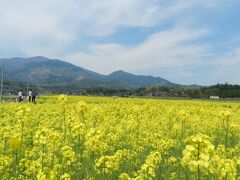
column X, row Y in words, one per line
column 34, row 95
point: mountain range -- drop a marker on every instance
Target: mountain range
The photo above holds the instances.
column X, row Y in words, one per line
column 42, row 71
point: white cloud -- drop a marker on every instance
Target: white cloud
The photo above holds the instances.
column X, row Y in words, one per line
column 66, row 21
column 228, row 67
column 31, row 29
column 164, row 49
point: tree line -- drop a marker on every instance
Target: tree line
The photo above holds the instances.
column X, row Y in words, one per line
column 221, row 90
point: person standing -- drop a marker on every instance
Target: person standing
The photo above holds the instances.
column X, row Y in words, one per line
column 30, row 95
column 20, row 96
column 34, row 95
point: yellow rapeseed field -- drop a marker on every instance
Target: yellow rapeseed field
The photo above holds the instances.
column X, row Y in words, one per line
column 68, row 137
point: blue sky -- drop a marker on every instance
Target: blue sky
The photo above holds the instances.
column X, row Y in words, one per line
column 184, row 41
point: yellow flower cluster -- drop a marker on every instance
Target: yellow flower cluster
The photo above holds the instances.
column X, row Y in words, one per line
column 94, row 142
column 148, row 169
column 62, row 98
column 68, row 155
column 81, row 106
column 74, row 137
column 109, row 164
column 202, row 157
column 197, row 153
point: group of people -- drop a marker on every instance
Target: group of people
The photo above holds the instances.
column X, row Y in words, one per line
column 32, row 95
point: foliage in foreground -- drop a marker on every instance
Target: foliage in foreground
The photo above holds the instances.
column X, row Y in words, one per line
column 104, row 138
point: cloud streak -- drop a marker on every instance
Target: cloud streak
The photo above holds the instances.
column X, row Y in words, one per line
column 161, row 50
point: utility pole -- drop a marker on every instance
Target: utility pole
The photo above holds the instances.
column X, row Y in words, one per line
column 2, row 78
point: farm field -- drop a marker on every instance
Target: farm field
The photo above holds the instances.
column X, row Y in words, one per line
column 70, row 137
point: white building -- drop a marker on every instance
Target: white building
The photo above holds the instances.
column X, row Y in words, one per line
column 214, row 97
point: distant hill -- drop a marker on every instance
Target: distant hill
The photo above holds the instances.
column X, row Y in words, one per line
column 42, row 71
column 138, row 81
